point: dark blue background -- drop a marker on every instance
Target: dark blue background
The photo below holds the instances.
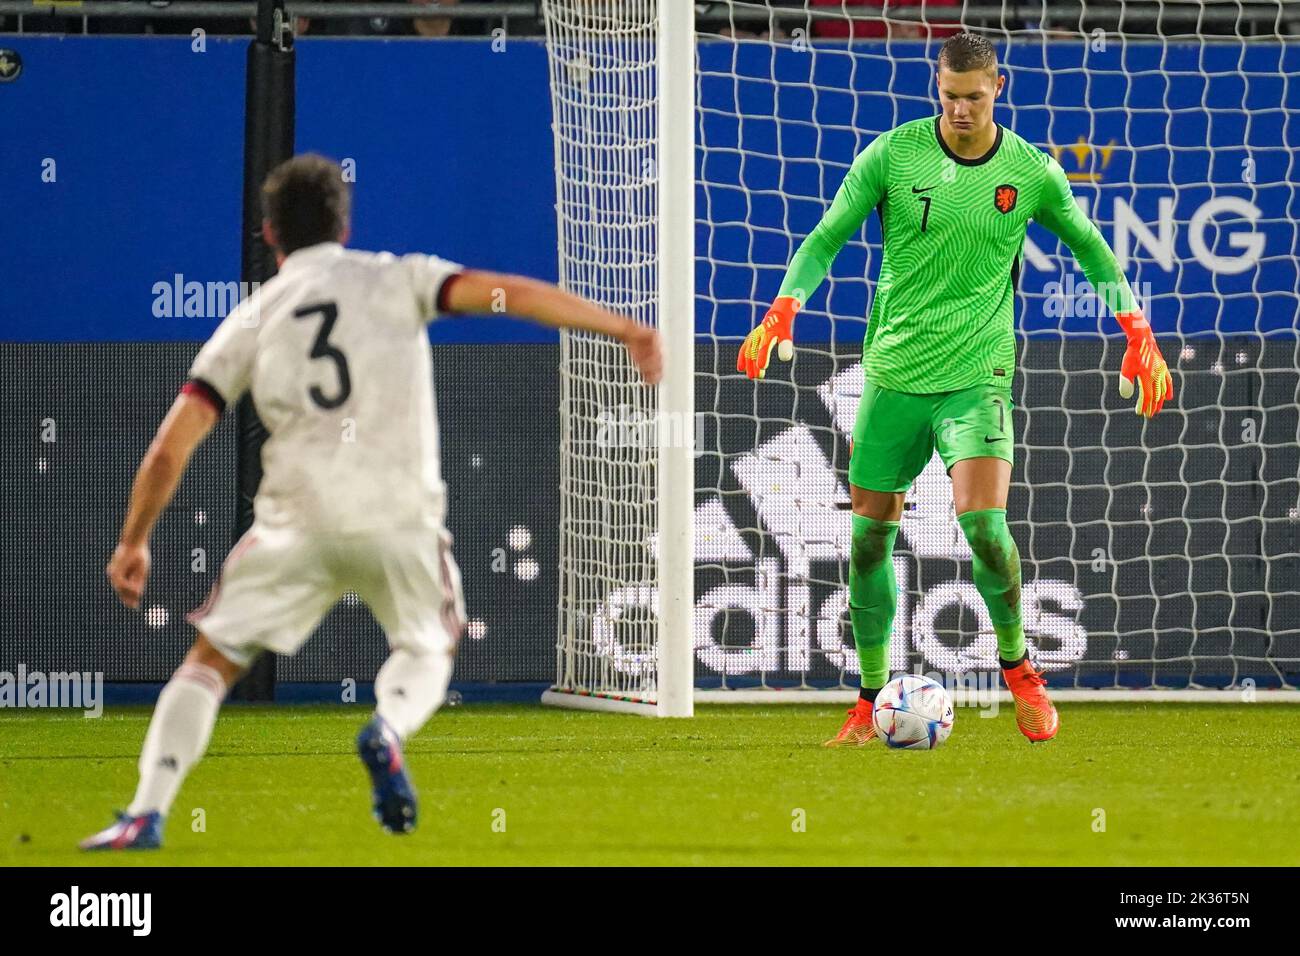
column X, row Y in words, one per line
column 453, row 154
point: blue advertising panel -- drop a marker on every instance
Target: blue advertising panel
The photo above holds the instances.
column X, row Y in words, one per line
column 122, row 171
column 123, row 164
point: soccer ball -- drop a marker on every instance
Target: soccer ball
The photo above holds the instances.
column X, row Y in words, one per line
column 913, row 713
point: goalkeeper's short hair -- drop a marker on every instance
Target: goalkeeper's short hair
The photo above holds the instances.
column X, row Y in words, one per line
column 963, row 52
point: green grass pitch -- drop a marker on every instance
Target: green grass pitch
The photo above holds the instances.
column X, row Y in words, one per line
column 1178, row 784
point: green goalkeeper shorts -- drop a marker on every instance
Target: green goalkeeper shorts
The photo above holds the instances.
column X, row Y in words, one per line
column 896, row 433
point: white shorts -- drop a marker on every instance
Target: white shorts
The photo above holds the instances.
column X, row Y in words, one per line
column 277, row 584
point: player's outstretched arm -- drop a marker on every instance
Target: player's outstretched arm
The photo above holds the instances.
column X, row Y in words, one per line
column 478, row 292
column 857, row 196
column 186, row 425
column 1144, row 369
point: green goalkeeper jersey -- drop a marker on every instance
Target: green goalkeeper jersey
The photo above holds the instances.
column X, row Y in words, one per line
column 953, row 228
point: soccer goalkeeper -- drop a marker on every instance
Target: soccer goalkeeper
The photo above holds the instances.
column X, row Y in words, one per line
column 955, row 194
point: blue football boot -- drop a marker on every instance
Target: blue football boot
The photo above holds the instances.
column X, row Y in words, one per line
column 381, row 752
column 128, row 833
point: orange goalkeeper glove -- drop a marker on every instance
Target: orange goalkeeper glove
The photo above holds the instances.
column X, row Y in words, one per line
column 1144, row 366
column 776, row 331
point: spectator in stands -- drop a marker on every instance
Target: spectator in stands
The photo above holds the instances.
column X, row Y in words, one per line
column 894, row 29
column 436, row 26
column 841, row 27
column 237, row 24
column 394, row 26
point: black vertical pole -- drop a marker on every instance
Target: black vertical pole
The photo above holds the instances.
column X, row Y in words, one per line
column 268, row 141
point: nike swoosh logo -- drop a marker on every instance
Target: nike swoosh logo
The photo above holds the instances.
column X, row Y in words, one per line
column 925, row 190
column 989, row 441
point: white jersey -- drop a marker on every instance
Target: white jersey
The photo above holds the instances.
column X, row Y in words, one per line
column 335, row 353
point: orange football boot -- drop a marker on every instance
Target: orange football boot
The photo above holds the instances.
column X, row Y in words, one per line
column 1035, row 714
column 858, row 730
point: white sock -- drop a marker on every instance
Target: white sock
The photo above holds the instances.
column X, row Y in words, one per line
column 410, row 687
column 178, row 735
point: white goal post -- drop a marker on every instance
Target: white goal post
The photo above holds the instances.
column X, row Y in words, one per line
column 623, row 101
column 704, row 525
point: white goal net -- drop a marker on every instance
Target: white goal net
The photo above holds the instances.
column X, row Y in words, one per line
column 1156, row 555
column 623, row 206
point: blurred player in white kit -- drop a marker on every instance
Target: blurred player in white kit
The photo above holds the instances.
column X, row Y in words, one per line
column 335, row 353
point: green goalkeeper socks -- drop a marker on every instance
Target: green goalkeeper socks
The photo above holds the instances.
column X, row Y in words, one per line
column 997, row 576
column 873, row 595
